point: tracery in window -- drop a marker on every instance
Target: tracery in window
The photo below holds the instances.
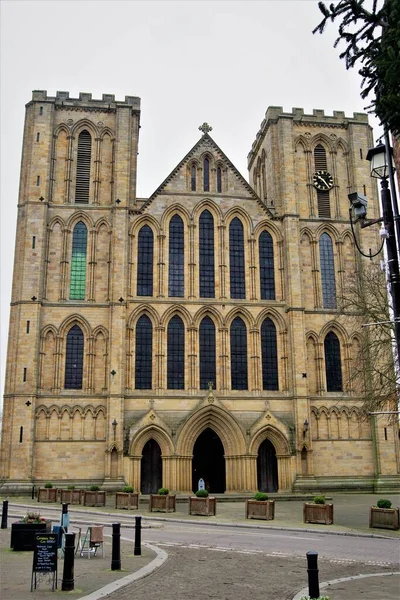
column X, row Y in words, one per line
column 176, row 282
column 143, row 353
column 236, row 259
column 327, row 265
column 74, row 359
column 145, row 262
column 83, row 167
column 206, row 175
column 206, row 255
column 207, row 353
column 267, row 276
column 269, row 355
column 238, row 336
column 176, row 354
column 333, row 363
column 78, row 262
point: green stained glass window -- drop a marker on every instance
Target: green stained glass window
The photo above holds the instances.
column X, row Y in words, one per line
column 78, row 262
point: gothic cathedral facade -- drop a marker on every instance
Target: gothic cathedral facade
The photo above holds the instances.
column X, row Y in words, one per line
column 192, row 334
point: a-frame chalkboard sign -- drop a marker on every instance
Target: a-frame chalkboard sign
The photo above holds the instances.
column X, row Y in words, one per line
column 45, row 560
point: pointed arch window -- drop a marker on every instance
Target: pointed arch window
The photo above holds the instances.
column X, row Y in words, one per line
column 176, row 283
column 74, row 359
column 145, row 262
column 267, row 274
column 193, row 178
column 207, row 353
column 236, row 259
column 206, row 175
column 320, row 163
column 239, row 355
column 176, row 354
column 206, row 255
column 78, row 262
column 333, row 363
column 83, row 160
column 219, row 180
column 327, row 265
column 143, row 353
column 269, row 355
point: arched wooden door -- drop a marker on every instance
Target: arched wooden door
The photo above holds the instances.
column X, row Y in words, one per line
column 151, row 468
column 209, row 462
column 267, row 468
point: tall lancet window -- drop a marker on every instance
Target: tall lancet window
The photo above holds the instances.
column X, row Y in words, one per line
column 143, row 353
column 78, row 262
column 219, row 180
column 206, row 255
column 145, row 262
column 176, row 281
column 74, row 359
column 333, row 363
column 236, row 259
column 176, row 354
column 269, row 355
column 327, row 264
column 206, row 175
column 267, row 275
column 82, row 186
column 238, row 355
column 207, row 353
column 193, row 178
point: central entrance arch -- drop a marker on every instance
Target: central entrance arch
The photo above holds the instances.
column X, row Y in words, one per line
column 209, row 462
column 267, row 468
column 151, row 468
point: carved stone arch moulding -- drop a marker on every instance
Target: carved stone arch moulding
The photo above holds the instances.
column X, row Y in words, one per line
column 151, row 432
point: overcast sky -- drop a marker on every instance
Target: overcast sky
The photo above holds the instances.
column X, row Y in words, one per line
column 223, row 62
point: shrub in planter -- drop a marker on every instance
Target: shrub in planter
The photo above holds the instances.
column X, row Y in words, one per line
column 382, row 516
column 318, row 511
column 23, row 532
column 94, row 496
column 94, row 488
column 259, row 507
column 163, row 501
column 202, row 504
column 127, row 498
column 48, row 485
column 128, row 489
column 202, row 494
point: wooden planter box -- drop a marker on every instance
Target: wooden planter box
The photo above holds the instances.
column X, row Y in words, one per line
column 72, row 496
column 318, row 513
column 92, row 498
column 47, row 494
column 384, row 518
column 127, row 500
column 162, row 503
column 206, row 507
column 23, row 534
column 260, row 509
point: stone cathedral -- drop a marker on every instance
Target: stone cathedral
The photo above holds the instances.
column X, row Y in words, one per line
column 192, row 334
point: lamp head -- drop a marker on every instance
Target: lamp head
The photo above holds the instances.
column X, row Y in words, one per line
column 359, row 205
column 379, row 163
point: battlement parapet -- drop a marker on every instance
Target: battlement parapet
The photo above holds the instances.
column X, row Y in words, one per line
column 85, row 100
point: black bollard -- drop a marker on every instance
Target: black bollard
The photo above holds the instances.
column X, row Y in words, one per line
column 4, row 515
column 138, row 531
column 116, row 547
column 69, row 554
column 65, row 516
column 33, row 492
column 312, row 570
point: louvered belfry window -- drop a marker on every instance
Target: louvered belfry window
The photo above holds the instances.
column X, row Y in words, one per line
column 324, row 207
column 83, row 167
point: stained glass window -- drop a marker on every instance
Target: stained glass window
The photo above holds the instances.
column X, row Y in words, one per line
column 333, row 363
column 206, row 175
column 143, row 353
column 207, row 353
column 236, row 259
column 206, row 255
column 78, row 262
column 176, row 354
column 269, row 355
column 238, row 355
column 327, row 271
column 74, row 359
column 145, row 262
column 267, row 277
column 176, row 283
column 83, row 167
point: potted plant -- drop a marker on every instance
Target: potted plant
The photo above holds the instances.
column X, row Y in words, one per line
column 127, row 498
column 71, row 495
column 23, row 532
column 202, row 504
column 163, row 501
column 318, row 511
column 47, row 493
column 259, row 507
column 94, row 496
column 383, row 516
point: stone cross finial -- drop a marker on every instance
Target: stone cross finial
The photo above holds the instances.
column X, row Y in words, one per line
column 205, row 128
column 210, row 385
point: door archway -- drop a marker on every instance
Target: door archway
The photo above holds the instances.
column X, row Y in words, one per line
column 209, row 462
column 151, row 468
column 267, row 467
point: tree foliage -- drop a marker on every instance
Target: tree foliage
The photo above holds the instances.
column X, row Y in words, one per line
column 372, row 39
column 364, row 308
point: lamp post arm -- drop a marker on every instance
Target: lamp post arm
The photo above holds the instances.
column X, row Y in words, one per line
column 393, row 188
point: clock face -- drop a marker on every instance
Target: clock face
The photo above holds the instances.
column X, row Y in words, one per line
column 322, row 180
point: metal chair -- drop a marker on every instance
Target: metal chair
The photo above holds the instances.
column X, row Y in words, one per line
column 92, row 541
